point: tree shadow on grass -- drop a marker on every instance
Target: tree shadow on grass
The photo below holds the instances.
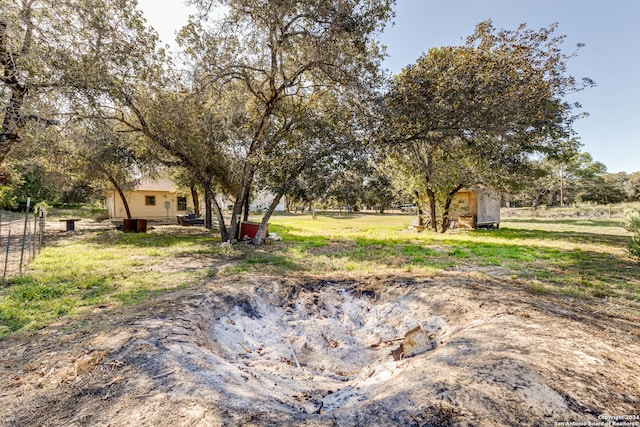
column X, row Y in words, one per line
column 568, row 236
column 588, row 273
column 583, row 222
column 150, row 240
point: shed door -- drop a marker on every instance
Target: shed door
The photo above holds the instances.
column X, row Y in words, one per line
column 488, row 207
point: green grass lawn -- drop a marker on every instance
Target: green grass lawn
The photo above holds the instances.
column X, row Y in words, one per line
column 576, row 257
column 97, row 269
column 579, row 258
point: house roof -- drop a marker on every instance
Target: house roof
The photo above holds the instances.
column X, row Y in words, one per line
column 159, row 184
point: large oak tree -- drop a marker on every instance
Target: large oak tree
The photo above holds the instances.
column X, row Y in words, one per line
column 283, row 52
column 31, row 32
column 476, row 114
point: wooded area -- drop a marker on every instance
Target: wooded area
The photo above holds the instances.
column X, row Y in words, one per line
column 287, row 97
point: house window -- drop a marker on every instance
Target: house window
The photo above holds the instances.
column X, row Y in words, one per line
column 182, row 203
column 150, row 200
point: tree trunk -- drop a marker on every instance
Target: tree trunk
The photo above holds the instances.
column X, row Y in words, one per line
column 221, row 225
column 121, row 193
column 250, row 162
column 245, row 216
column 196, row 201
column 538, row 198
column 118, row 188
column 265, row 219
column 124, row 202
column 207, row 211
column 224, row 235
column 432, row 209
column 445, row 215
column 419, row 210
column 11, row 126
column 238, row 205
column 13, row 122
column 446, row 222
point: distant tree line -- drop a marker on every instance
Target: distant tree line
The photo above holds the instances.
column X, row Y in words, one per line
column 576, row 179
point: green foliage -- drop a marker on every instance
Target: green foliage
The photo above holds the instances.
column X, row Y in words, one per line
column 346, row 190
column 604, row 190
column 579, row 178
column 632, row 187
column 36, row 185
column 81, row 191
column 8, row 199
column 29, row 180
column 379, row 192
column 47, row 63
column 320, row 154
column 45, row 187
column 632, row 223
column 449, row 125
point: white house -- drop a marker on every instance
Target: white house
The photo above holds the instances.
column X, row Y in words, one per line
column 151, row 198
column 160, row 198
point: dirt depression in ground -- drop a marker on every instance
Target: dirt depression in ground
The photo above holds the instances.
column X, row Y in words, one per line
column 450, row 350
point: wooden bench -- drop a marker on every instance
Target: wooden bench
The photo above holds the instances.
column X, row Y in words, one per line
column 190, row 219
column 71, row 223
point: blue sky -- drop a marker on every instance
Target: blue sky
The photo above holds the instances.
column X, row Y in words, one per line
column 610, row 29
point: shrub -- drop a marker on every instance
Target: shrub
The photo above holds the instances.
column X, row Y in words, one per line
column 632, row 223
column 8, row 200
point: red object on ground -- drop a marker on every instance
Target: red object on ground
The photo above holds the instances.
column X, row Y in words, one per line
column 250, row 229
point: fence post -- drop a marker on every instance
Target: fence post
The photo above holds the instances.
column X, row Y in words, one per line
column 34, row 236
column 24, row 231
column 43, row 216
column 6, row 257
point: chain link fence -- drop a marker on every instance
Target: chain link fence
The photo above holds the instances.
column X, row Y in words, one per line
column 21, row 237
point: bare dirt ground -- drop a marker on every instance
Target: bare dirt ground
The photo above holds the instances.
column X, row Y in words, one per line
column 456, row 349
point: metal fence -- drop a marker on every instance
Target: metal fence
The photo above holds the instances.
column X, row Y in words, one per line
column 21, row 237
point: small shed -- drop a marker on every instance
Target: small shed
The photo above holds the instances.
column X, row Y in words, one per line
column 476, row 208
